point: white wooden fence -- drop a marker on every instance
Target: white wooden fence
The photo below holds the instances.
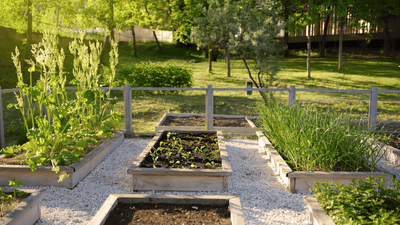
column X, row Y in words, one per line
column 372, row 115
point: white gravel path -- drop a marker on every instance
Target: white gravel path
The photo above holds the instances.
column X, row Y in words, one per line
column 262, row 194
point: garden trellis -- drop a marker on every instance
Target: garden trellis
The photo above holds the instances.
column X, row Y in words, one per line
column 209, row 106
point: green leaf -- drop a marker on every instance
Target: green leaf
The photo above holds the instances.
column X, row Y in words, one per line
column 82, row 144
column 63, row 176
column 89, row 95
column 8, row 151
column 15, row 183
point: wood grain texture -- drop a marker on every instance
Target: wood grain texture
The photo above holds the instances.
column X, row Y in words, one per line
column 318, row 215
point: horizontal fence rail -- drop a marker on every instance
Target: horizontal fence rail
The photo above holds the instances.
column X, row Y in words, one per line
column 372, row 111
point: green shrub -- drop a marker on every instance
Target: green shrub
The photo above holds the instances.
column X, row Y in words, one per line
column 363, row 202
column 311, row 139
column 154, row 75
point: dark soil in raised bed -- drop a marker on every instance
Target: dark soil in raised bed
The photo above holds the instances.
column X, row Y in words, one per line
column 168, row 214
column 179, row 144
column 395, row 141
column 11, row 204
column 201, row 121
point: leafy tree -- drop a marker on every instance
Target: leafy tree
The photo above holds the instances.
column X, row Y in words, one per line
column 128, row 16
column 256, row 41
column 294, row 17
column 97, row 12
column 217, row 28
column 19, row 15
column 183, row 14
column 379, row 13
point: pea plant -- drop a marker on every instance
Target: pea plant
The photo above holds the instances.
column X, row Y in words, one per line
column 58, row 136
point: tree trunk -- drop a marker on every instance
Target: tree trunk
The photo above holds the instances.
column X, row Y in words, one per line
column 28, row 53
column 215, row 54
column 286, row 40
column 227, row 61
column 322, row 47
column 286, row 33
column 158, row 43
column 387, row 45
column 340, row 46
column 110, row 25
column 309, row 46
column 134, row 41
column 209, row 59
column 106, row 48
column 258, row 85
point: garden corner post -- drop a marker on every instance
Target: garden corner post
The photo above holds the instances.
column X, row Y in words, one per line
column 209, row 107
column 128, row 110
column 2, row 142
column 373, row 108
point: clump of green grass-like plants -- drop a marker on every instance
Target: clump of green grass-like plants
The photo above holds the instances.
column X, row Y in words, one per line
column 7, row 201
column 314, row 140
column 366, row 201
column 185, row 151
column 59, row 135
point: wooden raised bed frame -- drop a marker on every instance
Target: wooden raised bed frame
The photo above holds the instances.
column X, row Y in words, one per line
column 238, row 131
column 301, row 181
column 112, row 200
column 26, row 212
column 176, row 179
column 43, row 176
column 317, row 215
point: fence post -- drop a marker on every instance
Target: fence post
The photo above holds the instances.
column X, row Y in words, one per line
column 2, row 142
column 209, row 108
column 292, row 95
column 128, row 110
column 249, row 84
column 373, row 108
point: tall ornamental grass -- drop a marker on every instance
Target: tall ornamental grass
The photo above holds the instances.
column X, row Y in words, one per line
column 318, row 140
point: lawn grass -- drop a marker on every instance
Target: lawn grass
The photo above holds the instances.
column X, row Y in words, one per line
column 147, row 109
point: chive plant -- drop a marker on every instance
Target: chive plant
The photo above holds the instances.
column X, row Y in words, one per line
column 316, row 140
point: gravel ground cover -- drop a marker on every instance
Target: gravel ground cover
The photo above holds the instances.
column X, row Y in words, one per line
column 262, row 194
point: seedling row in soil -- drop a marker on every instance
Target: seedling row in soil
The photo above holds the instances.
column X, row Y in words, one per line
column 187, row 151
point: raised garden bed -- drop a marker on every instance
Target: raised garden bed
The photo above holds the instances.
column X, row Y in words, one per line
column 317, row 215
column 392, row 149
column 44, row 176
column 228, row 124
column 183, row 176
column 301, row 181
column 178, row 208
column 27, row 212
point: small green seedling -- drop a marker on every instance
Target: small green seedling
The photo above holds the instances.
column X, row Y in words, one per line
column 168, row 154
column 211, row 164
column 16, row 184
column 214, row 152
